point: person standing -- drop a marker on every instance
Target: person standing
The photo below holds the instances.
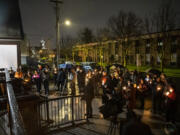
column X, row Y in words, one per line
column 18, row 74
column 61, row 80
column 37, row 81
column 89, row 94
column 154, row 91
column 142, row 89
column 55, row 74
column 159, row 87
column 170, row 104
column 39, row 71
column 81, row 80
column 45, row 78
column 72, row 78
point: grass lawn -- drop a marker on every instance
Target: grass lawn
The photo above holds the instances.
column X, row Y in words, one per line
column 171, row 72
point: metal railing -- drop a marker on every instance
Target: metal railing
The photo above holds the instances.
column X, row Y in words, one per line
column 16, row 121
column 62, row 111
column 53, row 113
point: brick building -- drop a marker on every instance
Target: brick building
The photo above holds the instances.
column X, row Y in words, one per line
column 143, row 50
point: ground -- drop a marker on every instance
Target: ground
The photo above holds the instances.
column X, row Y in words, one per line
column 100, row 126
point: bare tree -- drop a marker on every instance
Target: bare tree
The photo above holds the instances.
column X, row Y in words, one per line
column 103, row 34
column 67, row 43
column 124, row 26
column 86, row 35
column 164, row 20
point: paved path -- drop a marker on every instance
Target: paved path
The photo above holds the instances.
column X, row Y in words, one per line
column 99, row 126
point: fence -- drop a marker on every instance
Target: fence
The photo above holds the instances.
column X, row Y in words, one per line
column 62, row 111
column 52, row 113
column 15, row 119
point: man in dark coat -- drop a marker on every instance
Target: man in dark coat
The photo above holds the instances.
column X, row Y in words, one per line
column 89, row 95
column 81, row 80
column 45, row 78
column 61, row 79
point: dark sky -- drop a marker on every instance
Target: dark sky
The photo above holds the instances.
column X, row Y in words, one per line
column 39, row 16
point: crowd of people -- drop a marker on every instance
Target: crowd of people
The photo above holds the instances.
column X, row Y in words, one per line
column 129, row 87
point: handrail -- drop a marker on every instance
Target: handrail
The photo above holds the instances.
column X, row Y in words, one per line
column 17, row 121
column 62, row 111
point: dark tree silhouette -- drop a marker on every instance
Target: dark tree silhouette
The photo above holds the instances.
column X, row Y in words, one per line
column 86, row 35
column 124, row 26
column 162, row 21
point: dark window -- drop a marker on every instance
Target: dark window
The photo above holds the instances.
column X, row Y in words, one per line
column 148, row 46
column 137, row 47
column 148, row 50
column 174, row 44
column 119, row 59
column 160, row 42
column 109, row 48
column 116, row 48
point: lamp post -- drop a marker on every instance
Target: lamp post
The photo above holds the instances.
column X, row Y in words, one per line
column 57, row 2
column 67, row 23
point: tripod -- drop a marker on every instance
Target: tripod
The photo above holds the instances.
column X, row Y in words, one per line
column 113, row 128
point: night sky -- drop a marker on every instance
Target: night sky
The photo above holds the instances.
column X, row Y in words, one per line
column 38, row 16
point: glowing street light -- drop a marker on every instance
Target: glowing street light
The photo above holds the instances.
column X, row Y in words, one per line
column 67, row 22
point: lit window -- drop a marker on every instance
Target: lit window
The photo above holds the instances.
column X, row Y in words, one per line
column 158, row 59
column 160, row 42
column 148, row 43
column 148, row 58
column 174, row 58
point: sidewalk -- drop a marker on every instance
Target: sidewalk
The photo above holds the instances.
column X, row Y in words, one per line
column 99, row 126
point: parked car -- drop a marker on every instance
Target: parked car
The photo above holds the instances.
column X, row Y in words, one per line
column 87, row 68
column 154, row 71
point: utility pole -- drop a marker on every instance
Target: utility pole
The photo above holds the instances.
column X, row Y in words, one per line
column 57, row 3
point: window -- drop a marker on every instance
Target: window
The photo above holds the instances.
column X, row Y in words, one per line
column 148, row 46
column 8, row 56
column 158, row 59
column 116, row 48
column 173, row 44
column 109, row 48
column 160, row 42
column 174, row 40
column 137, row 46
column 148, row 43
column 148, row 58
column 173, row 58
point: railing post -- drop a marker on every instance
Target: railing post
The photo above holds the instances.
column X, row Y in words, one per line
column 87, row 120
column 72, row 108
column 47, row 109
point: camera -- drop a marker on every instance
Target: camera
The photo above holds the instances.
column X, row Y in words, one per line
column 112, row 107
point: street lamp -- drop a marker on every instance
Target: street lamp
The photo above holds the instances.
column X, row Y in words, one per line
column 67, row 22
